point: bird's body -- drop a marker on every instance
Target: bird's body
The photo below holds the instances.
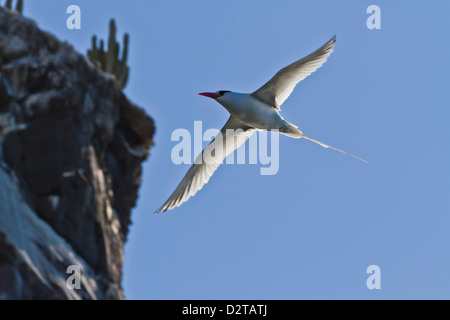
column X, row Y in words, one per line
column 249, row 112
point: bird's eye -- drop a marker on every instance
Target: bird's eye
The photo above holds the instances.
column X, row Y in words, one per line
column 223, row 92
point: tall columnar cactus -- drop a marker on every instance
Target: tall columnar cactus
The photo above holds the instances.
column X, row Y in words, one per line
column 109, row 60
column 19, row 5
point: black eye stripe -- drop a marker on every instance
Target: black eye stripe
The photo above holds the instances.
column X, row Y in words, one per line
column 223, row 92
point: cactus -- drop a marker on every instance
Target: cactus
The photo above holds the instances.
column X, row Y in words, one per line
column 19, row 5
column 110, row 61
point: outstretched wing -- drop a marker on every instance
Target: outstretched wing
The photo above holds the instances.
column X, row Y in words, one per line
column 231, row 137
column 278, row 89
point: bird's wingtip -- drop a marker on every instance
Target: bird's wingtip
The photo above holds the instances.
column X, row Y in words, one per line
column 162, row 209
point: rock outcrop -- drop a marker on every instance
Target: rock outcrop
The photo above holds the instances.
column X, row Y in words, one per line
column 71, row 148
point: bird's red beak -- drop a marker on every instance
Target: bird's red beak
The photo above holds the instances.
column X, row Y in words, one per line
column 210, row 95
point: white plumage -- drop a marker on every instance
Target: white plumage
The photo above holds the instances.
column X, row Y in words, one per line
column 280, row 87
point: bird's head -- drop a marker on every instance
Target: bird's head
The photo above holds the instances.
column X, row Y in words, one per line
column 214, row 95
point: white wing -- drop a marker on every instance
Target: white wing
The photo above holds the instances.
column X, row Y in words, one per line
column 278, row 89
column 231, row 137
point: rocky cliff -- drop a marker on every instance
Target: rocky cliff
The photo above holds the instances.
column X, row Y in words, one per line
column 71, row 148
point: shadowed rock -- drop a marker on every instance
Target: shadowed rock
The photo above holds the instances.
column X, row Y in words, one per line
column 71, row 148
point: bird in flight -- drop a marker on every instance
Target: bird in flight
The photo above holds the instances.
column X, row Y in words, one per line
column 250, row 112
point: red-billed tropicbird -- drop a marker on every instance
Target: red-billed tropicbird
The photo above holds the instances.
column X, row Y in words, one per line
column 249, row 112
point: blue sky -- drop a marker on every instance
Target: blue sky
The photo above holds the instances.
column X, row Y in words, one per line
column 311, row 230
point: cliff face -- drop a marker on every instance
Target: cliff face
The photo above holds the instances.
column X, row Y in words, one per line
column 71, row 148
